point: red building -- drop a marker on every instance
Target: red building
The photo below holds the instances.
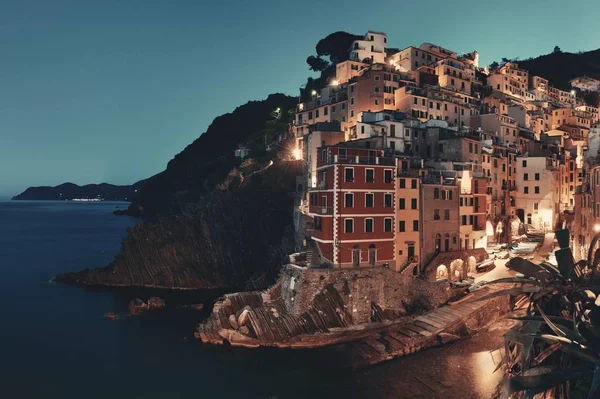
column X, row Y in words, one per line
column 353, row 205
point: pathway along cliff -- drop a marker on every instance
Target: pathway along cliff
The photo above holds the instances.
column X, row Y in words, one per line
column 236, row 238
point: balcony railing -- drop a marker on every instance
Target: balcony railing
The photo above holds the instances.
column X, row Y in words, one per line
column 362, row 160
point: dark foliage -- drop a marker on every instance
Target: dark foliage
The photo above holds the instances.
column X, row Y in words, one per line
column 559, row 67
column 316, row 63
column 336, row 47
column 204, row 163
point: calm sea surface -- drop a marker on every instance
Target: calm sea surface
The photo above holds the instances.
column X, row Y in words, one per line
column 55, row 342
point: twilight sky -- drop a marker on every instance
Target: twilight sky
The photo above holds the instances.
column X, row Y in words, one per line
column 110, row 90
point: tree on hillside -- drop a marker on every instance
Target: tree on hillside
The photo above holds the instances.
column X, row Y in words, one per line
column 336, row 46
column 494, row 65
column 557, row 50
column 317, row 63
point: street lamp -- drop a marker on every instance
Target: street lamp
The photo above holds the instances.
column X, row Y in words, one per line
column 313, row 93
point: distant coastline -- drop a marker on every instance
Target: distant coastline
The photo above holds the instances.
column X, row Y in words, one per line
column 74, row 192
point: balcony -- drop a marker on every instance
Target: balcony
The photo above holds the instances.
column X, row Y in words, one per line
column 321, row 209
column 357, row 160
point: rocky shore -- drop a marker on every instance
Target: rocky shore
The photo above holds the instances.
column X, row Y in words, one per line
column 235, row 239
column 312, row 307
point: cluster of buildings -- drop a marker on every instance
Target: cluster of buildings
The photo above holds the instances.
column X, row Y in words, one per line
column 416, row 152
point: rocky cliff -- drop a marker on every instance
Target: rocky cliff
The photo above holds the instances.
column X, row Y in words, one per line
column 234, row 238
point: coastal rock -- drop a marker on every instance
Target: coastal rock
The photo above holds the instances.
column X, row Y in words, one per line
column 156, row 303
column 446, row 338
column 111, row 315
column 240, row 339
column 244, row 316
column 233, row 322
column 244, row 330
column 137, row 306
column 233, row 239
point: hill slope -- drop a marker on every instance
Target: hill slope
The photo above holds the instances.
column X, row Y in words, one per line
column 69, row 191
column 203, row 164
column 559, row 68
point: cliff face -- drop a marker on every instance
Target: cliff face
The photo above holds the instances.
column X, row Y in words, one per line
column 235, row 238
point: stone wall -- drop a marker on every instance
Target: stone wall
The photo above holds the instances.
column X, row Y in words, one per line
column 360, row 288
column 306, row 301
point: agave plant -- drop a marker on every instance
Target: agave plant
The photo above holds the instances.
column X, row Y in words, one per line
column 555, row 349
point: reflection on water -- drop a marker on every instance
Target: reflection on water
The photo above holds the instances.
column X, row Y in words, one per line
column 55, row 341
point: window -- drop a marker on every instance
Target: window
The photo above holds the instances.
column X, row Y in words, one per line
column 369, row 200
column 450, row 194
column 444, row 194
column 348, row 200
column 402, row 226
column 537, row 176
column 387, row 175
column 351, row 113
column 537, row 189
column 446, row 214
column 526, row 176
column 415, row 100
column 387, row 200
column 463, row 220
column 415, row 225
column 436, row 193
column 368, row 225
column 310, row 115
column 436, row 214
column 413, row 183
column 316, row 113
column 526, row 190
column 402, row 183
column 348, row 225
column 342, row 153
column 387, row 225
column 349, row 174
column 370, row 175
column 535, row 206
column 402, row 202
column 413, row 203
column 524, row 163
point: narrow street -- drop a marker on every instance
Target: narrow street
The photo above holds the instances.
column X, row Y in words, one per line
column 501, row 271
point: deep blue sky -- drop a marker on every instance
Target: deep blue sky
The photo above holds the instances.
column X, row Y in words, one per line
column 94, row 91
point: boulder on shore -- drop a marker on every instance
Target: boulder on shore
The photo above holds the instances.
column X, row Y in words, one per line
column 233, row 322
column 111, row 315
column 156, row 303
column 137, row 306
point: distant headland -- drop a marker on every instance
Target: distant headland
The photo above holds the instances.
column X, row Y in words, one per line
column 74, row 192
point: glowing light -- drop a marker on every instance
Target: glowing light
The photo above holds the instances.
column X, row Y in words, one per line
column 297, row 154
column 572, row 92
column 335, row 82
column 597, row 227
column 278, row 109
column 314, row 92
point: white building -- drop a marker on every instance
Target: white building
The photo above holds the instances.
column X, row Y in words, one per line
column 388, row 124
column 372, row 47
column 536, row 179
column 586, row 84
